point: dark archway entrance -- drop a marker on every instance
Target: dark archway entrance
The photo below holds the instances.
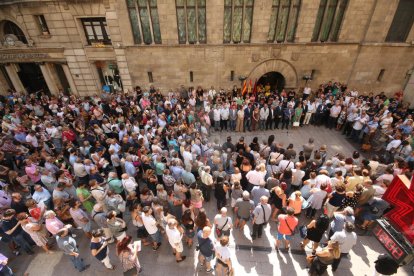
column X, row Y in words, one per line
column 274, row 79
column 32, row 78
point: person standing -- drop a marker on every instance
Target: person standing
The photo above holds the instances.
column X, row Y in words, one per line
column 286, row 228
column 175, row 237
column 5, row 270
column 264, row 113
column 206, row 248
column 240, row 120
column 223, row 223
column 151, row 226
column 99, row 248
column 68, row 245
column 261, row 217
column 223, row 262
column 243, row 209
column 128, row 254
column 12, row 228
column 346, row 238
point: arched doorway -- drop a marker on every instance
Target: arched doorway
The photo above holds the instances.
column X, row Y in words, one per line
column 274, row 79
column 280, row 66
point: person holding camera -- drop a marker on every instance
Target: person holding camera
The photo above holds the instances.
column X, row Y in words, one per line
column 99, row 248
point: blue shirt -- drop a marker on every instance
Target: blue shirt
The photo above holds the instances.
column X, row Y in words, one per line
column 130, row 169
column 188, row 178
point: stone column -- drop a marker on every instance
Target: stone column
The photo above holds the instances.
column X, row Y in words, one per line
column 47, row 74
column 261, row 20
column 14, row 77
column 68, row 75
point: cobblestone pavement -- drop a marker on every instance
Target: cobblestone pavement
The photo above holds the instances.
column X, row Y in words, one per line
column 249, row 258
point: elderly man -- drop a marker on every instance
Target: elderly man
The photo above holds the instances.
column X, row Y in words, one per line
column 115, row 184
column 261, row 217
column 255, row 177
column 206, row 247
column 243, row 208
column 259, row 191
column 129, row 167
column 223, row 223
column 207, row 180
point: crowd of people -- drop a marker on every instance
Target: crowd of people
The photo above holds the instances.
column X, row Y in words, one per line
column 144, row 160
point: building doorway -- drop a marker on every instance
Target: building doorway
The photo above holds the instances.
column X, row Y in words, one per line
column 32, row 78
column 275, row 80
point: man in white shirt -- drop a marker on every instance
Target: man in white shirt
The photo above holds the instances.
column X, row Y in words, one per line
column 264, row 113
column 32, row 139
column 311, row 110
column 255, row 177
column 206, row 180
column 216, row 117
column 212, row 93
column 297, row 176
column 285, row 164
column 394, row 144
column 334, row 113
column 224, row 115
column 346, row 239
column 306, row 92
column 359, row 123
column 223, row 223
column 42, row 195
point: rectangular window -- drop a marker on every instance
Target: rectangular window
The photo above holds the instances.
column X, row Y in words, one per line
column 191, row 76
column 145, row 24
column 329, row 20
column 283, row 21
column 231, row 75
column 402, row 22
column 96, row 30
column 381, row 75
column 238, row 19
column 191, row 21
column 41, row 22
column 150, row 78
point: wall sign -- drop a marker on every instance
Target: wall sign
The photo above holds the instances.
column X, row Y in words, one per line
column 23, row 56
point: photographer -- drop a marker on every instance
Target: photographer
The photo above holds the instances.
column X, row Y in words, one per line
column 99, row 248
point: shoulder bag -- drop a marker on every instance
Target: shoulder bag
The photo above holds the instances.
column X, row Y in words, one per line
column 292, row 232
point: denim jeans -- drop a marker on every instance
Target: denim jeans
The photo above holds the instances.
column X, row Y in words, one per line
column 232, row 125
column 78, row 263
column 157, row 237
column 247, row 124
column 23, row 242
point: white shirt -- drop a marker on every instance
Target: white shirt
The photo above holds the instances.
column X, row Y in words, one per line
column 223, row 252
column 335, row 110
column 311, row 107
column 129, row 184
column 41, row 196
column 393, row 144
column 346, row 240
column 307, row 90
column 284, row 164
column 255, row 177
column 224, row 113
column 32, row 140
column 188, row 157
column 150, row 224
column 174, row 236
column 264, row 113
column 297, row 177
column 216, row 114
column 360, row 122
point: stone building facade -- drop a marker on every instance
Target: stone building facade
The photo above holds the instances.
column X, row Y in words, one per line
column 58, row 53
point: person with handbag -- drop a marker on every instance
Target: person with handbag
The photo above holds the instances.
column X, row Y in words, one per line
column 99, row 248
column 223, row 266
column 261, row 216
column 314, row 232
column 206, row 248
column 223, row 223
column 286, row 228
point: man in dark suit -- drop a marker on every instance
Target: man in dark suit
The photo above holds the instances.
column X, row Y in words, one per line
column 270, row 118
column 287, row 116
column 278, row 115
column 248, row 117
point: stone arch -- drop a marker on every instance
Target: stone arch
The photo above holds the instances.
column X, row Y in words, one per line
column 276, row 65
column 6, row 19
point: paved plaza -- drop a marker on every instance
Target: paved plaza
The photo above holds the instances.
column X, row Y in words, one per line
column 249, row 258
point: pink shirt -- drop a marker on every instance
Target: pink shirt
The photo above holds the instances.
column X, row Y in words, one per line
column 30, row 171
column 53, row 225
